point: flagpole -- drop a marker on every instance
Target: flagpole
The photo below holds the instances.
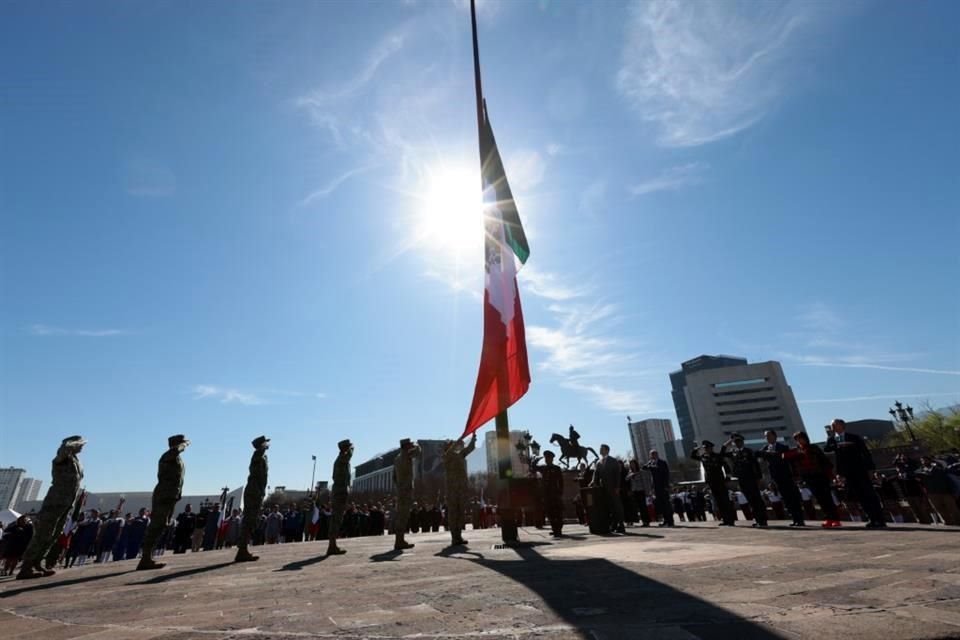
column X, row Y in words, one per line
column 508, row 527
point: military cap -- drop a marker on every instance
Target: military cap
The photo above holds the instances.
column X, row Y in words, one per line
column 260, row 441
column 404, row 443
column 736, row 436
column 73, row 441
column 706, row 443
column 343, row 444
column 178, row 439
column 548, row 454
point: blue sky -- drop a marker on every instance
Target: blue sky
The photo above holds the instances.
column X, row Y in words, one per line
column 227, row 220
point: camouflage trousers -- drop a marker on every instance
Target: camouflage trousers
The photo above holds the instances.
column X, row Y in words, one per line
column 456, row 505
column 400, row 520
column 46, row 534
column 339, row 506
column 160, row 514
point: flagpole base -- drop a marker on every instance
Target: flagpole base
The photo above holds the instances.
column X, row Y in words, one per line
column 508, row 526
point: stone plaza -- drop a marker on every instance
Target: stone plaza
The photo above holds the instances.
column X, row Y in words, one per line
column 692, row 581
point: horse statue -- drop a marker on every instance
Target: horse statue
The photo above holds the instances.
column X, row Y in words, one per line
column 570, row 451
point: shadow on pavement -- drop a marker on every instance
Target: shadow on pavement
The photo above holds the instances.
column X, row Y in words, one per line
column 300, row 564
column 604, row 600
column 184, row 573
column 386, row 556
column 39, row 584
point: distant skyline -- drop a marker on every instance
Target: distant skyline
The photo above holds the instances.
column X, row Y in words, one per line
column 237, row 219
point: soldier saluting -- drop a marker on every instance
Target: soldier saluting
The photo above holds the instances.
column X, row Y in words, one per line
column 455, row 469
column 552, row 483
column 339, row 492
column 714, row 472
column 747, row 470
column 403, row 478
column 253, row 498
column 62, row 494
column 166, row 494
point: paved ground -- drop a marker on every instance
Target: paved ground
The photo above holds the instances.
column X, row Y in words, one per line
column 694, row 581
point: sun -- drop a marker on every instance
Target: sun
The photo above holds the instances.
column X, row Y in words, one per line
column 450, row 215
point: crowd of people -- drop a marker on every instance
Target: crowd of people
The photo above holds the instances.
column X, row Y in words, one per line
column 800, row 482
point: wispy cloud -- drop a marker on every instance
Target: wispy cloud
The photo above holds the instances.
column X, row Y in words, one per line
column 671, row 179
column 704, row 71
column 813, row 362
column 955, row 394
column 584, row 353
column 332, row 186
column 547, row 285
column 253, row 397
column 823, row 340
column 47, row 330
column 386, row 48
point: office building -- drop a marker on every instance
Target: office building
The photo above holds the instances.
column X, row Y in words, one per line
column 653, row 433
column 748, row 399
column 29, row 490
column 490, row 445
column 11, row 479
column 678, row 383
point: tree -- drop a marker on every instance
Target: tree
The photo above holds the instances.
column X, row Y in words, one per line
column 937, row 430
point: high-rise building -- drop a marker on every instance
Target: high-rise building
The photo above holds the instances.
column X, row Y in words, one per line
column 653, row 433
column 678, row 381
column 748, row 399
column 490, row 445
column 11, row 479
column 376, row 474
column 29, row 490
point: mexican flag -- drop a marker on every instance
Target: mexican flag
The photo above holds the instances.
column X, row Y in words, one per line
column 504, row 374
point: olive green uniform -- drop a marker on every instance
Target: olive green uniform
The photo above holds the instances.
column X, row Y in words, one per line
column 253, row 495
column 67, row 474
column 340, row 492
column 403, row 477
column 455, row 468
column 166, row 494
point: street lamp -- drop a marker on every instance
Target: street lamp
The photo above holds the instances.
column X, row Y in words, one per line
column 903, row 415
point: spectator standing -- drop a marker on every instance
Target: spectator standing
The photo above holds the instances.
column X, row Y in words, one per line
column 608, row 477
column 639, row 492
column 855, row 464
column 813, row 466
column 660, row 475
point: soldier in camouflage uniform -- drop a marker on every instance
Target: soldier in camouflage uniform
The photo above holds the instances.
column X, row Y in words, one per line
column 455, row 469
column 253, row 498
column 67, row 474
column 166, row 494
column 339, row 492
column 714, row 472
column 403, row 478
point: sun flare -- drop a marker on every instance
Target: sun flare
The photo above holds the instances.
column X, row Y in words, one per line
column 451, row 211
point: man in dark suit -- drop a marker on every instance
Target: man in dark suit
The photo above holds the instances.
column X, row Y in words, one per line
column 782, row 475
column 855, row 464
column 660, row 475
column 608, row 477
